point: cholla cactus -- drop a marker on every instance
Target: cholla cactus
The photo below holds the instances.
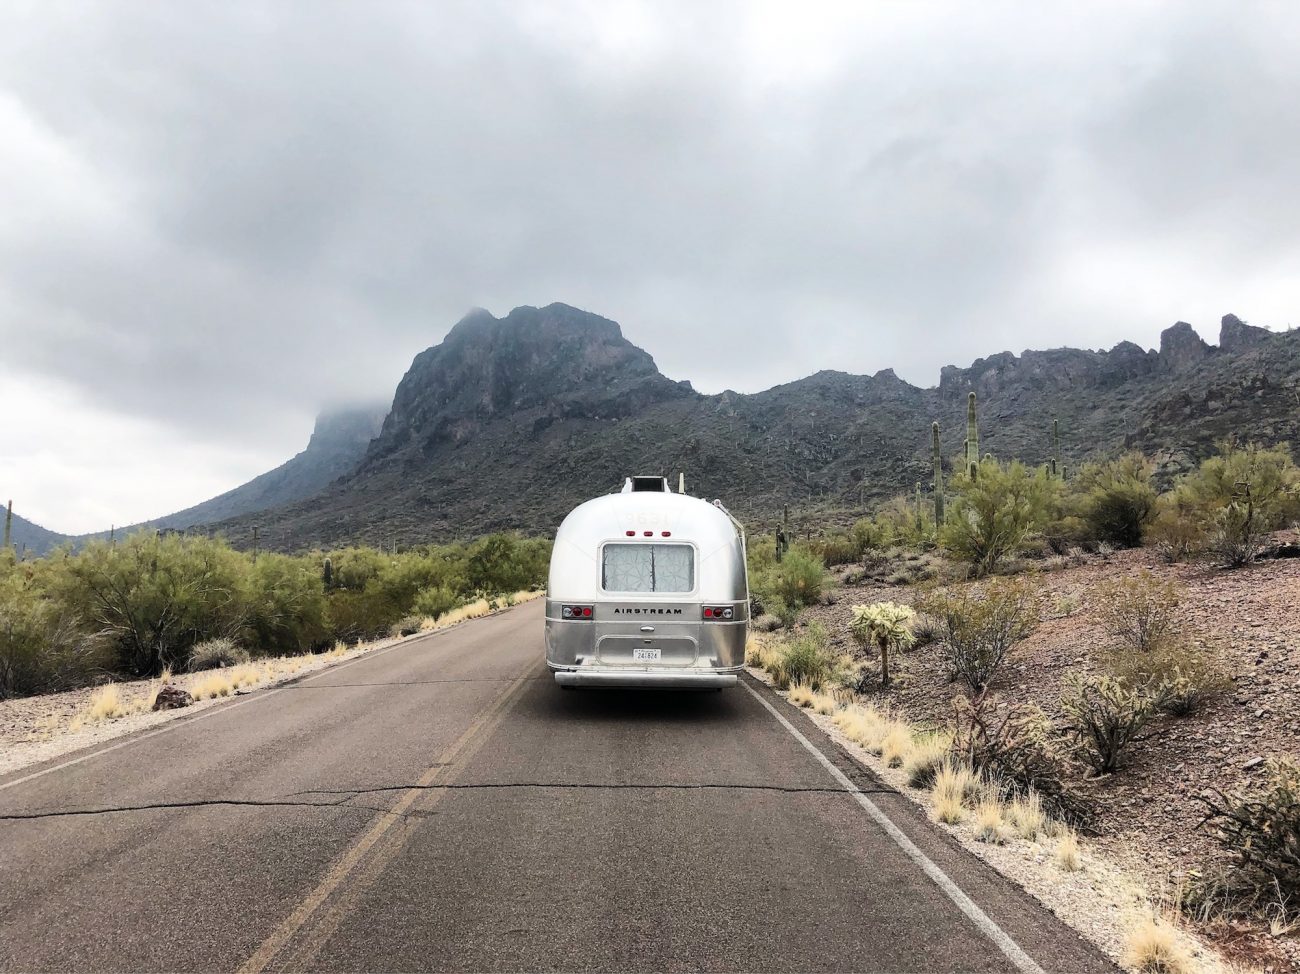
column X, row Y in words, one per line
column 884, row 626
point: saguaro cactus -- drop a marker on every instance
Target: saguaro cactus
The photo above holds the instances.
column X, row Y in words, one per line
column 1058, row 470
column 327, row 574
column 972, row 438
column 920, row 520
column 938, row 474
column 9, row 523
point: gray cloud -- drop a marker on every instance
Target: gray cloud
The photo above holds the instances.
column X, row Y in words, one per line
column 216, row 218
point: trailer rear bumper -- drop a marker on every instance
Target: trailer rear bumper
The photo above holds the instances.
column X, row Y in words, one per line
column 620, row 677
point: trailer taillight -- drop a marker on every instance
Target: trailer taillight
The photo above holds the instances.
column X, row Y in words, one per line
column 719, row 613
column 576, row 612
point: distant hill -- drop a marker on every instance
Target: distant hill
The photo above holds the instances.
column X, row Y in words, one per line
column 30, row 538
column 337, row 443
column 509, row 422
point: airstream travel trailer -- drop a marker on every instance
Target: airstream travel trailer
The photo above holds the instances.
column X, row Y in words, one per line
column 647, row 589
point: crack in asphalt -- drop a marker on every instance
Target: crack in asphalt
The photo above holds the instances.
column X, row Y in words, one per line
column 345, row 797
column 581, row 786
column 204, row 803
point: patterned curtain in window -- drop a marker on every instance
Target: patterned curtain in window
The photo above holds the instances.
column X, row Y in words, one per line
column 674, row 566
column 629, row 568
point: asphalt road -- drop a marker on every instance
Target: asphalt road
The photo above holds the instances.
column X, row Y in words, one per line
column 442, row 805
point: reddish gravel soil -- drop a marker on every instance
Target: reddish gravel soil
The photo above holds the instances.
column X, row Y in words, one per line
column 1148, row 813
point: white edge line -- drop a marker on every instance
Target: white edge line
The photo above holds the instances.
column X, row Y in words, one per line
column 259, row 696
column 999, row 937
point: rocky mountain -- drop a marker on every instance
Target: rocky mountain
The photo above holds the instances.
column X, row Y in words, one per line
column 509, row 422
column 28, row 538
column 337, row 445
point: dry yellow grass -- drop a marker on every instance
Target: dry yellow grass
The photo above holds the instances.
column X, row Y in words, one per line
column 928, row 754
column 1153, row 945
column 990, row 825
column 824, row 703
column 1026, row 816
column 948, row 809
column 801, row 694
column 1067, row 852
column 105, row 704
column 895, row 746
column 958, row 782
column 753, row 652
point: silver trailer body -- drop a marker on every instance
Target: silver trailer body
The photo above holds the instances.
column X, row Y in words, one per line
column 647, row 588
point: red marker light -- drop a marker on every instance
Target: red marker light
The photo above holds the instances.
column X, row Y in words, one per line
column 586, row 613
column 631, row 534
column 708, row 613
column 666, row 534
column 648, row 534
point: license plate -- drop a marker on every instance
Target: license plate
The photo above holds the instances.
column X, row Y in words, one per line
column 646, row 655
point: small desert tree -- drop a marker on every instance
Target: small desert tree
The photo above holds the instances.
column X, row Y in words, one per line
column 995, row 512
column 884, row 626
column 978, row 625
column 1117, row 499
column 1245, row 493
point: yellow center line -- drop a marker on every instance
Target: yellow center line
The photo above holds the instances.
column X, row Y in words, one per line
column 343, row 868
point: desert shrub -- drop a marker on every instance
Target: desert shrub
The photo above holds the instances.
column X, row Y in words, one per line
column 286, row 609
column 1016, row 746
column 979, row 624
column 155, row 597
column 435, row 601
column 1178, row 676
column 797, row 580
column 839, row 549
column 212, row 653
column 806, row 658
column 925, row 630
column 1105, row 716
column 1260, row 828
column 1245, row 493
column 1138, row 611
column 354, row 568
column 883, row 626
column 358, row 616
column 507, row 563
column 407, row 626
column 42, row 649
column 1117, row 499
column 1177, row 531
column 993, row 514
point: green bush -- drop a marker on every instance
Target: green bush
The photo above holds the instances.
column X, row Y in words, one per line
column 435, row 602
column 1105, row 716
column 979, row 624
column 1244, row 494
column 839, row 549
column 286, row 607
column 991, row 516
column 503, row 563
column 1117, row 499
column 155, row 597
column 806, row 658
column 42, row 649
column 144, row 604
column 797, row 580
column 1177, row 531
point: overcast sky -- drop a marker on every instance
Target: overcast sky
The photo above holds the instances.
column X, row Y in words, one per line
column 215, row 219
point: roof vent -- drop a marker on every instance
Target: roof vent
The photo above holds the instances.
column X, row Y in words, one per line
column 657, row 485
